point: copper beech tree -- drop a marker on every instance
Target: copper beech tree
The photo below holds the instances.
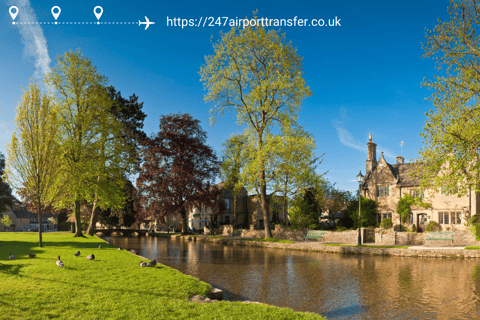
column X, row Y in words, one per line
column 178, row 170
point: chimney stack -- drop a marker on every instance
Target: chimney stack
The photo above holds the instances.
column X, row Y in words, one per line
column 372, row 155
column 400, row 159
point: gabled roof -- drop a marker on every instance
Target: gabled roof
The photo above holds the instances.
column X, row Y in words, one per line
column 402, row 173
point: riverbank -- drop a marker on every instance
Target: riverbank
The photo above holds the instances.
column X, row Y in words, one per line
column 399, row 251
column 112, row 286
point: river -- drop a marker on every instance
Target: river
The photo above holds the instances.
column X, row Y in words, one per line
column 337, row 286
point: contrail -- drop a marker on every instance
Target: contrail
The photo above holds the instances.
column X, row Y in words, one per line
column 32, row 37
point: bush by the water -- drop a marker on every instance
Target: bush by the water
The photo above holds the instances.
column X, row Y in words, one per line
column 433, row 226
column 386, row 223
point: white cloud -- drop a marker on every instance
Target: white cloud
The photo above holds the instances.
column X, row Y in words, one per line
column 32, row 37
column 347, row 140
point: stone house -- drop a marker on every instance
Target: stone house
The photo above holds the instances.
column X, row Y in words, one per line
column 203, row 216
column 255, row 214
column 386, row 183
column 24, row 220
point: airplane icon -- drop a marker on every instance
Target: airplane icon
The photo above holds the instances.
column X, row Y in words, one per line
column 147, row 23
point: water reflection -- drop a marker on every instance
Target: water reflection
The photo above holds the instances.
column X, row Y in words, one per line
column 334, row 285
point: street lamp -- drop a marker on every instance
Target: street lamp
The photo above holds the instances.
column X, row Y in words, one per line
column 359, row 179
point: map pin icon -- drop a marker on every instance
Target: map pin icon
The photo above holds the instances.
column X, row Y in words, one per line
column 55, row 15
column 98, row 14
column 13, row 15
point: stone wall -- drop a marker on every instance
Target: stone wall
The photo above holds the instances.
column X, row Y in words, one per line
column 390, row 237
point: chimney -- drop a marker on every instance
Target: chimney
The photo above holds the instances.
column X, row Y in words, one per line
column 372, row 155
column 400, row 159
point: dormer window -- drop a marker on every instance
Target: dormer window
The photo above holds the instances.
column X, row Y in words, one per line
column 383, row 191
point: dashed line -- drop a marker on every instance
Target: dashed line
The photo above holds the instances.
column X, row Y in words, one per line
column 73, row 22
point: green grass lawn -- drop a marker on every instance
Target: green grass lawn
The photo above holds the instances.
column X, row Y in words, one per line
column 218, row 237
column 472, row 248
column 363, row 246
column 112, row 286
column 269, row 240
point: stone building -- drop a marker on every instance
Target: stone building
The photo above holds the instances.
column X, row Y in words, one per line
column 255, row 215
column 24, row 220
column 386, row 183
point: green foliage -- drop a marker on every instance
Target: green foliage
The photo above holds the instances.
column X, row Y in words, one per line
column 6, row 220
column 475, row 219
column 450, row 156
column 414, row 228
column 405, row 203
column 305, row 210
column 433, row 226
column 386, row 223
column 6, row 197
column 368, row 211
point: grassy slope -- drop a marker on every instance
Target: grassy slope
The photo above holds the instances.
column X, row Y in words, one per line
column 112, row 286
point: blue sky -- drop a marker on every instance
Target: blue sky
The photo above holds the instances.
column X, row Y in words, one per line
column 365, row 74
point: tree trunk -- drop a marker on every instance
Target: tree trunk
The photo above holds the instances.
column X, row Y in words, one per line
column 184, row 221
column 265, row 207
column 40, row 242
column 285, row 201
column 78, row 230
column 91, row 226
column 234, row 224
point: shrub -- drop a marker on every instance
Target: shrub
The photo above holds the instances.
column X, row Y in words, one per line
column 414, row 228
column 433, row 226
column 312, row 226
column 386, row 223
column 341, row 228
column 475, row 219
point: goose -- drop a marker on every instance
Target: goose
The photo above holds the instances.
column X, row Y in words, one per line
column 119, row 248
column 152, row 263
column 32, row 255
column 143, row 264
column 59, row 262
column 77, row 254
column 11, row 257
column 133, row 251
column 91, row 257
column 100, row 247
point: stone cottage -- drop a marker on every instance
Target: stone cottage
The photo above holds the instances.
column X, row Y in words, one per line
column 386, row 183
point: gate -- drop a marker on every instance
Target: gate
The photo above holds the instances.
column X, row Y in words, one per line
column 368, row 235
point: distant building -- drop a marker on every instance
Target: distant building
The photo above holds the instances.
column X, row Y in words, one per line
column 24, row 220
column 387, row 184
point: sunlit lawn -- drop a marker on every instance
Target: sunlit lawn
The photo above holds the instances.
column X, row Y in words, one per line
column 112, row 286
column 363, row 246
column 472, row 248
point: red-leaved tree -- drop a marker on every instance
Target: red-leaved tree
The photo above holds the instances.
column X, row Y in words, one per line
column 178, row 170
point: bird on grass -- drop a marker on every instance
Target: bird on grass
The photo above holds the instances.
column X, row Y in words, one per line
column 100, row 247
column 32, row 255
column 77, row 254
column 60, row 263
column 11, row 257
column 133, row 251
column 119, row 248
column 152, row 263
column 143, row 264
column 91, row 257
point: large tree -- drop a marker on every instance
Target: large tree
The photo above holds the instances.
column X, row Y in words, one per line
column 93, row 158
column 34, row 150
column 234, row 160
column 450, row 157
column 6, row 197
column 178, row 169
column 260, row 75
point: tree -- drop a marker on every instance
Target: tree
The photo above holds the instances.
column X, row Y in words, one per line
column 369, row 212
column 295, row 163
column 234, row 159
column 6, row 221
column 178, row 169
column 260, row 75
column 93, row 158
column 125, row 216
column 305, row 211
column 450, row 157
column 32, row 166
column 6, row 197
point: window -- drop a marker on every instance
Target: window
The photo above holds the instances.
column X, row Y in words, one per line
column 416, row 193
column 445, row 217
column 459, row 218
column 410, row 219
column 227, row 204
column 440, row 218
column 387, row 215
column 382, row 191
column 446, row 190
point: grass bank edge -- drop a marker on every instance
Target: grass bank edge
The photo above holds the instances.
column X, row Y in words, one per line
column 112, row 283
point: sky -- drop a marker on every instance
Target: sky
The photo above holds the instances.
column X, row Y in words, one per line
column 365, row 73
